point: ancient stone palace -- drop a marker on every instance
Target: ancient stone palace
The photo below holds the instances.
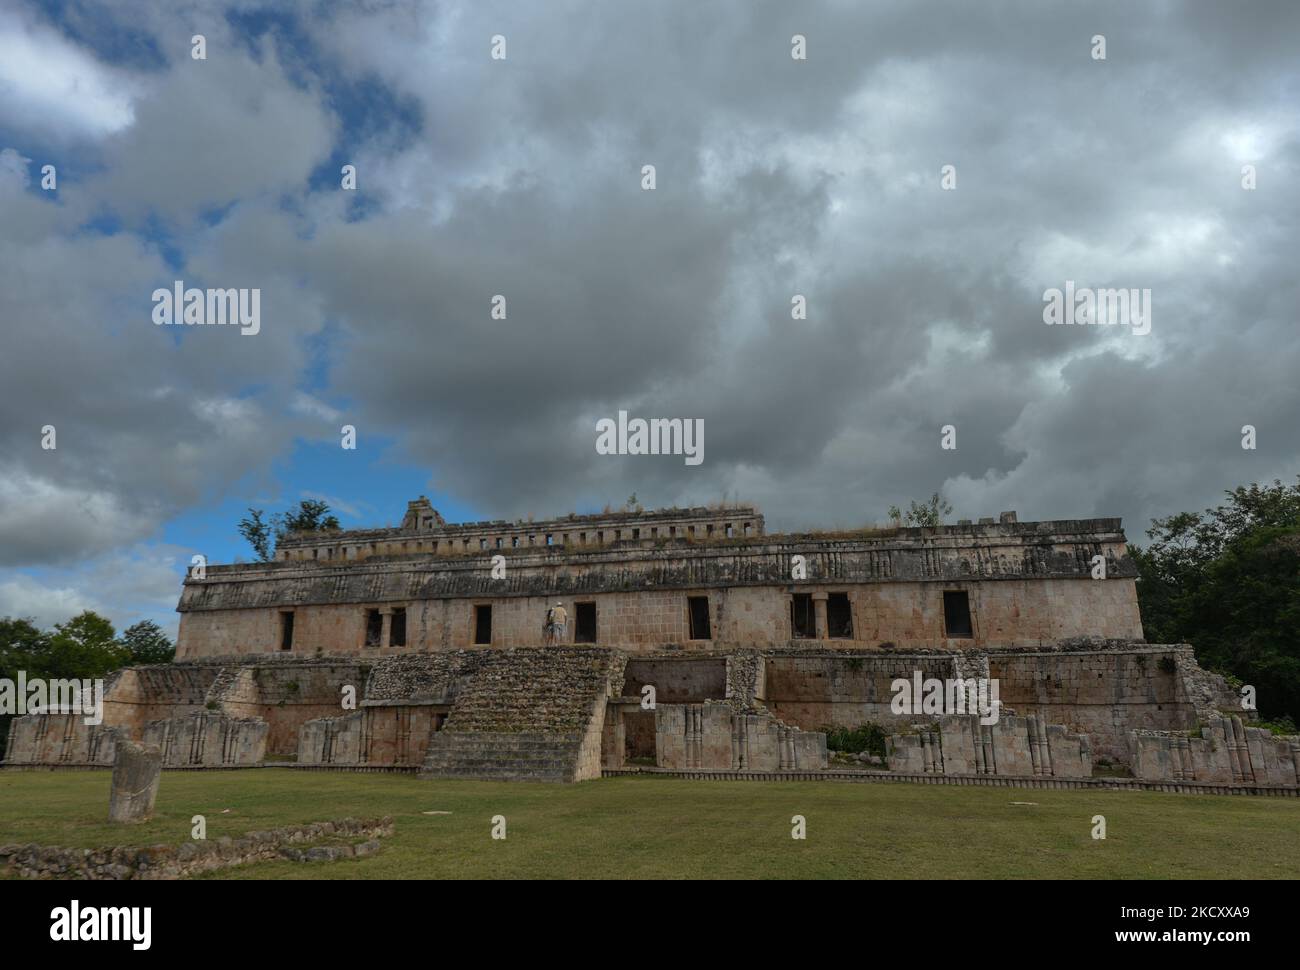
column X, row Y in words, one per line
column 695, row 642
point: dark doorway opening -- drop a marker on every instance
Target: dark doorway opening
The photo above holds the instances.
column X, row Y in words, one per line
column 397, row 632
column 698, row 607
column 956, row 614
column 374, row 628
column 839, row 617
column 803, row 621
column 483, row 624
column 286, row 631
column 584, row 630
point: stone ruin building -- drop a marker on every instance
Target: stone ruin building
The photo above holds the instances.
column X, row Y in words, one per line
column 419, row 648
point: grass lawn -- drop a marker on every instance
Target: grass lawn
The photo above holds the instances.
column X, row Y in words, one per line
column 663, row 827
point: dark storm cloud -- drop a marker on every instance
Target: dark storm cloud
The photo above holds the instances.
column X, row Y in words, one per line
column 775, row 178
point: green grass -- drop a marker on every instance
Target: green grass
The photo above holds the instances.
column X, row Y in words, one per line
column 662, row 827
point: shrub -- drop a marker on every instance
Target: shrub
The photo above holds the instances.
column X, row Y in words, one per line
column 868, row 737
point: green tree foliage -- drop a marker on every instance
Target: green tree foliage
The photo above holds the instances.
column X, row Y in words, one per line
column 85, row 647
column 146, row 643
column 930, row 513
column 258, row 533
column 1227, row 581
column 264, row 534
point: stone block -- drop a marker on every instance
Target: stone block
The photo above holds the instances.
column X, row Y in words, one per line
column 136, row 771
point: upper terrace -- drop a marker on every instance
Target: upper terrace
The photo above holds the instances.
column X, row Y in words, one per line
column 424, row 531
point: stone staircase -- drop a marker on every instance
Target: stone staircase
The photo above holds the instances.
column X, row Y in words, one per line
column 503, row 756
column 530, row 714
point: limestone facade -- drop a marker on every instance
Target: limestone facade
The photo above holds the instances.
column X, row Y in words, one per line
column 651, row 585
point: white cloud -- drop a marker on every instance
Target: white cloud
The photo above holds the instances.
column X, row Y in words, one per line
column 52, row 85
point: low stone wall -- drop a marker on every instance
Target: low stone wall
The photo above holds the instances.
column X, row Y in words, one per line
column 715, row 735
column 208, row 740
column 1227, row 752
column 60, row 739
column 1013, row 746
column 174, row 862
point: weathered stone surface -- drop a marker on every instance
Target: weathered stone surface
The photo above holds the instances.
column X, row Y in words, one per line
column 208, row 740
column 1013, row 746
column 1027, row 583
column 718, row 735
column 136, row 771
column 1225, row 752
column 189, row 858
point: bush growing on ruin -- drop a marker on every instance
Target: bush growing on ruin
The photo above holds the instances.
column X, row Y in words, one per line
column 869, row 737
column 926, row 514
column 263, row 534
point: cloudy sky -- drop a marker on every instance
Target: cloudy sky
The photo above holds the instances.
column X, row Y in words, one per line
column 522, row 176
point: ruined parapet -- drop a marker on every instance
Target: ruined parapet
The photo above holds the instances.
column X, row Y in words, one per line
column 208, row 740
column 745, row 672
column 1207, row 691
column 714, row 735
column 1012, row 746
column 61, row 739
column 1226, row 752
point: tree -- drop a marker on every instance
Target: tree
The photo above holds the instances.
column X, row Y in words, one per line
column 1227, row 581
column 258, row 533
column 146, row 643
column 23, row 647
column 311, row 515
column 85, row 646
column 926, row 514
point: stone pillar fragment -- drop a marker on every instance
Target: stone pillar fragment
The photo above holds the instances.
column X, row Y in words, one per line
column 136, row 770
column 822, row 630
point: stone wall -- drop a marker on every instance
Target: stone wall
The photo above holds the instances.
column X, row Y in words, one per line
column 714, row 735
column 208, row 740
column 1225, row 752
column 391, row 735
column 677, row 680
column 137, row 695
column 1012, row 746
column 286, row 695
column 61, row 739
column 191, row 858
column 1103, row 689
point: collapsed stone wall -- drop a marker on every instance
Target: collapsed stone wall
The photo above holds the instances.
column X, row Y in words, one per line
column 390, row 735
column 1225, row 751
column 715, row 735
column 1102, row 688
column 1012, row 746
column 190, row 858
column 61, row 739
column 206, row 740
column 286, row 695
column 137, row 695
